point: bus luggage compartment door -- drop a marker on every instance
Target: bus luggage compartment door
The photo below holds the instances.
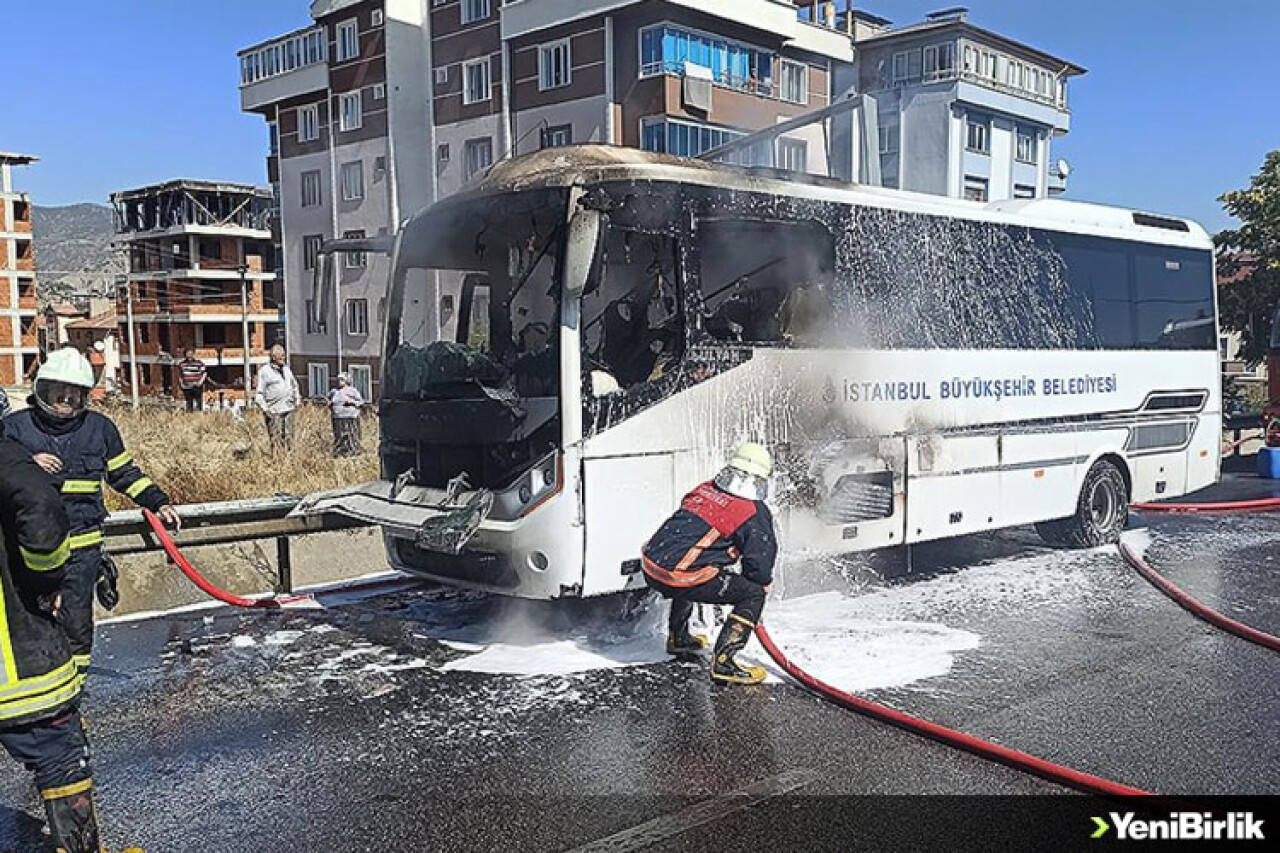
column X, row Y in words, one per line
column 625, row 499
column 954, row 485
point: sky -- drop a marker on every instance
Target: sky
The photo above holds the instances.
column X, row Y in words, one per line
column 1180, row 102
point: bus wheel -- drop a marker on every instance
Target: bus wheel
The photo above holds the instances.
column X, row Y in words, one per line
column 1101, row 511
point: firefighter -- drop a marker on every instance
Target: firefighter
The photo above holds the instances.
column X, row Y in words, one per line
column 39, row 683
column 720, row 523
column 78, row 448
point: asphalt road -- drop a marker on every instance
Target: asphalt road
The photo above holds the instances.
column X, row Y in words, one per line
column 337, row 729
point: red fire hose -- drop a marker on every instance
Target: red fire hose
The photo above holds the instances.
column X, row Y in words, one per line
column 1195, row 607
column 1057, row 773
column 1260, row 505
column 184, row 566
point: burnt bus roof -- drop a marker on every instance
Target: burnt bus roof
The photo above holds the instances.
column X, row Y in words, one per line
column 588, row 165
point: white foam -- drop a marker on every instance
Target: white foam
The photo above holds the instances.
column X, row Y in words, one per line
column 1138, row 541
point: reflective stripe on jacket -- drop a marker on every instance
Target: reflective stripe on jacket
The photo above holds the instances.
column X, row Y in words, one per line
column 711, row 530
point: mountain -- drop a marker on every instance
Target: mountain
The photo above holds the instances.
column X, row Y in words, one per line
column 73, row 250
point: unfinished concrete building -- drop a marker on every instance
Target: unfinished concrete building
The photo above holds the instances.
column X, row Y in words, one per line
column 19, row 343
column 201, row 270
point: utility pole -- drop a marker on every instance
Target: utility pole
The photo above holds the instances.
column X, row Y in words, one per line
column 133, row 353
column 244, row 326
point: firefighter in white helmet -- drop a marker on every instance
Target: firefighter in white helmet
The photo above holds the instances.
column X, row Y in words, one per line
column 80, row 448
column 720, row 523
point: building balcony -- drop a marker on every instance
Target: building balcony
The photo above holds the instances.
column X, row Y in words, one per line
column 284, row 67
column 776, row 17
column 722, row 78
column 956, row 75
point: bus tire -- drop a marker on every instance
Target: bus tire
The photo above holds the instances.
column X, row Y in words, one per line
column 1101, row 511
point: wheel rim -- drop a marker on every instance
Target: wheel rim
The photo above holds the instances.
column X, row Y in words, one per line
column 1102, row 505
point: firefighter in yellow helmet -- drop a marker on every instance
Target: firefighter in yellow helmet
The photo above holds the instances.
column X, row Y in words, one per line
column 720, row 523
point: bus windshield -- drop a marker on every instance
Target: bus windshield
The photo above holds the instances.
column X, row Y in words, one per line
column 475, row 301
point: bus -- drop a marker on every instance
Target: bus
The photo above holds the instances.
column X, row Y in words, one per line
column 580, row 337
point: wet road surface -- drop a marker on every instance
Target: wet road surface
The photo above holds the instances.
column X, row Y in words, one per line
column 339, row 730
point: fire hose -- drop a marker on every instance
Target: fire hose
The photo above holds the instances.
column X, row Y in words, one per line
column 1022, row 761
column 178, row 559
column 1259, row 505
column 1195, row 607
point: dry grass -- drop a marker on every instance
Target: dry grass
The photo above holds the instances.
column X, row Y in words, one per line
column 214, row 457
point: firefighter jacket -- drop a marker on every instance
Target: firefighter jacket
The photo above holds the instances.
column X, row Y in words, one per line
column 38, row 678
column 91, row 449
column 711, row 530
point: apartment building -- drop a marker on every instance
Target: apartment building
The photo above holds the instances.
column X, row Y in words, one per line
column 380, row 107
column 961, row 111
column 201, row 267
column 19, row 326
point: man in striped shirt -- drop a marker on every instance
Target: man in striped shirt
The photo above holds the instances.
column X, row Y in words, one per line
column 192, row 377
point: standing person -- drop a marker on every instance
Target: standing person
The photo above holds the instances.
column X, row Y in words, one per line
column 5, row 405
column 721, row 522
column 192, row 376
column 79, row 448
column 344, row 404
column 278, row 395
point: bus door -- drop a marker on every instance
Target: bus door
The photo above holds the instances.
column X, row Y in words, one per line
column 625, row 499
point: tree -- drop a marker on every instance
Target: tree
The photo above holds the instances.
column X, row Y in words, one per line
column 1251, row 255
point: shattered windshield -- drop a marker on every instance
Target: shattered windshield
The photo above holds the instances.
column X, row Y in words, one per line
column 475, row 304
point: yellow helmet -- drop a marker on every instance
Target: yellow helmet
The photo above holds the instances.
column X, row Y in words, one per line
column 752, row 459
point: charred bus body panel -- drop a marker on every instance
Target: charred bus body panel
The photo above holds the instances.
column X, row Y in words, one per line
column 583, row 335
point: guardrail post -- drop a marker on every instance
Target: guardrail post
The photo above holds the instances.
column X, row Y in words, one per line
column 284, row 565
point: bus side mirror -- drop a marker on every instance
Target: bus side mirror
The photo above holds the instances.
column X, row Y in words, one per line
column 583, row 255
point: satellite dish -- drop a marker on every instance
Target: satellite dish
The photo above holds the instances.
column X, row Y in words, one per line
column 1064, row 169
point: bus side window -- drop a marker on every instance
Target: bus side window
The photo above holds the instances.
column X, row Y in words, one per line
column 765, row 282
column 634, row 333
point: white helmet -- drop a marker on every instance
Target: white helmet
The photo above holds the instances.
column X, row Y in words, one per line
column 63, row 383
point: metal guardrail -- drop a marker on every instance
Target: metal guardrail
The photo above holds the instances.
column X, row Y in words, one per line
column 225, row 522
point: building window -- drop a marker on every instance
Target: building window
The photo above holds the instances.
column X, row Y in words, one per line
column 314, row 327
column 362, row 379
column 351, row 111
column 1024, row 191
column 311, row 196
column 348, row 40
column 308, row 123
column 479, row 153
column 474, row 10
column 475, row 81
column 989, row 67
column 317, row 376
column 688, row 139
column 353, row 181
column 442, row 152
column 377, row 18
column 939, row 61
column 1224, row 347
column 795, row 82
column 889, row 139
column 975, row 189
column 666, row 49
column 355, row 260
column 357, row 316
column 311, row 250
column 978, row 138
column 558, row 136
column 554, row 65
column 1026, row 152
column 793, row 155
column 379, row 91
column 906, row 66
column 273, row 139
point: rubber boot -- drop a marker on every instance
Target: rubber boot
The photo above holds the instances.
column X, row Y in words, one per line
column 680, row 642
column 733, row 639
column 108, row 585
column 73, row 820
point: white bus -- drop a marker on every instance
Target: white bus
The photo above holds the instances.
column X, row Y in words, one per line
column 582, row 336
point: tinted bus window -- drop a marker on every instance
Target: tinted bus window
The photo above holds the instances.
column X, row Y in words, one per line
column 1173, row 299
column 1098, row 271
